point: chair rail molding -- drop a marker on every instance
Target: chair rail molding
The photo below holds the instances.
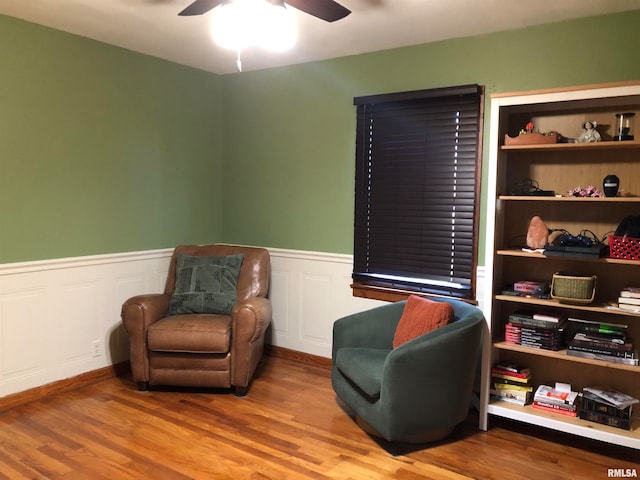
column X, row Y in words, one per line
column 61, row 317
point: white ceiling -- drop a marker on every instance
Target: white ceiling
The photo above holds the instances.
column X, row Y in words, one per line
column 153, row 27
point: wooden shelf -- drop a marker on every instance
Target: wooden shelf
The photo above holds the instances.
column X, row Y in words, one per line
column 595, row 307
column 575, row 146
column 544, row 198
column 564, row 423
column 562, row 355
column 521, row 253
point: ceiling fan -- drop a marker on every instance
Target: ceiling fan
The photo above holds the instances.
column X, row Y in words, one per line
column 323, row 9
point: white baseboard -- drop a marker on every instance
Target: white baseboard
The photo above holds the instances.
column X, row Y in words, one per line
column 60, row 318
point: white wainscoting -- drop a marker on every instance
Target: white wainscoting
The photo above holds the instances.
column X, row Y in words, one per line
column 60, row 318
column 310, row 291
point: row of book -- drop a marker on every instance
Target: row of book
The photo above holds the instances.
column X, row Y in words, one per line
column 608, row 342
column 535, row 329
column 604, row 341
column 629, row 299
column 607, row 407
column 556, row 399
column 511, row 382
column 529, row 289
column 595, row 404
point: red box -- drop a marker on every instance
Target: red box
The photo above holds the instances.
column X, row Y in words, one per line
column 626, row 248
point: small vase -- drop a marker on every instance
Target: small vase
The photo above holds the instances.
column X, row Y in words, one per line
column 610, row 185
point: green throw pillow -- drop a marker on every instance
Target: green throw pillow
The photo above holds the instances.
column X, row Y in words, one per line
column 205, row 284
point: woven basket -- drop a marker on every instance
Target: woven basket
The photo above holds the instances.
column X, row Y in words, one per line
column 574, row 289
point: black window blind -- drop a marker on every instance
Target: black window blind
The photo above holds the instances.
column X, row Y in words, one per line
column 416, row 205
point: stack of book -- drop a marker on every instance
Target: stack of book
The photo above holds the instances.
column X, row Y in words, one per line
column 607, row 406
column 511, row 382
column 608, row 342
column 527, row 288
column 535, row 329
column 555, row 400
column 629, row 299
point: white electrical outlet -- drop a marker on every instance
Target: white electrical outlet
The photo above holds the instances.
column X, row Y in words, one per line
column 95, row 348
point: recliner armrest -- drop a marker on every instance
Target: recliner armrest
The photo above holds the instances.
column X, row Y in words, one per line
column 250, row 318
column 143, row 310
column 137, row 314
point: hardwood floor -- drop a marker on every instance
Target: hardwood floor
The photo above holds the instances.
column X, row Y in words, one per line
column 289, row 426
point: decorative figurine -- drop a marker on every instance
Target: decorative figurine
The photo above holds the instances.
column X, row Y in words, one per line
column 589, row 133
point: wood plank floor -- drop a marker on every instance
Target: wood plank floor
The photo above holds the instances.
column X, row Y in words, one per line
column 289, row 426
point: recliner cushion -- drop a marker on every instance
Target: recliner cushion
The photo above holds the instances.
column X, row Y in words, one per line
column 363, row 367
column 205, row 284
column 192, row 333
column 421, row 316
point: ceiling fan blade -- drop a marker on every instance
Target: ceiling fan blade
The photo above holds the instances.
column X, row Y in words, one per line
column 324, row 9
column 200, row 6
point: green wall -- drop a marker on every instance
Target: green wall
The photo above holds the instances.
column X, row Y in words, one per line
column 290, row 132
column 101, row 149
column 105, row 150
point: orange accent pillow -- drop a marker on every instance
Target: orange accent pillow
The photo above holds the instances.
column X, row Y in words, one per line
column 421, row 316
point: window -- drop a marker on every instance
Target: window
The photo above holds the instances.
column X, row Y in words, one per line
column 417, row 192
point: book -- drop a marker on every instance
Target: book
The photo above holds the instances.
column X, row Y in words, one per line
column 602, row 327
column 629, row 308
column 630, row 292
column 596, row 404
column 511, row 378
column 604, row 419
column 613, row 397
column 605, row 358
column 548, row 316
column 508, row 383
column 510, row 400
column 531, row 322
column 601, row 351
column 546, row 393
column 629, row 300
column 507, row 386
column 512, row 367
column 527, row 286
column 509, row 373
column 611, row 341
column 557, row 406
column 521, row 396
column 616, row 337
column 570, row 413
column 613, row 346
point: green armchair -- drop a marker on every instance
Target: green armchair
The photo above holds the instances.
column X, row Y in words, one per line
column 415, row 393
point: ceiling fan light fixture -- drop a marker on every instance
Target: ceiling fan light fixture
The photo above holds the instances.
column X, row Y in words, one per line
column 279, row 30
column 239, row 24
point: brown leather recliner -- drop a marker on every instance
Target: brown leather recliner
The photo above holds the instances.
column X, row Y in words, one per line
column 201, row 349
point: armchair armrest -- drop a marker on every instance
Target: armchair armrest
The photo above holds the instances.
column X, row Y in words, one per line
column 137, row 314
column 436, row 370
column 250, row 319
column 249, row 322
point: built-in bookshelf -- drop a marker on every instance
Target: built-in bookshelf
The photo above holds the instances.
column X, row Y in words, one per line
column 558, row 168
